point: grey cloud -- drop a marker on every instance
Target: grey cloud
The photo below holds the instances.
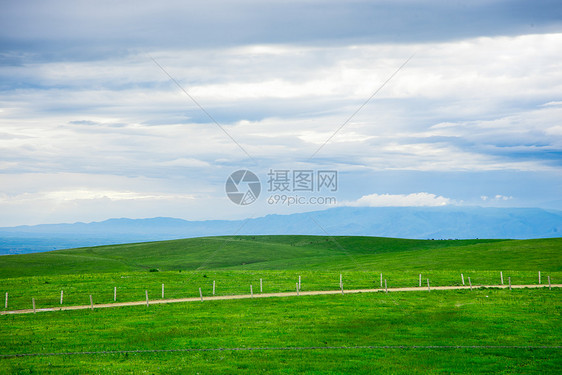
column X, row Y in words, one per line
column 96, row 123
column 84, row 122
column 84, row 30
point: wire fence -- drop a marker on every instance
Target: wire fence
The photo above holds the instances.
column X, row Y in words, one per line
column 374, row 347
column 73, row 290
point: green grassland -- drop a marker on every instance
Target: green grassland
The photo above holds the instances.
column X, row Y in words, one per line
column 487, row 317
column 483, row 317
column 292, row 253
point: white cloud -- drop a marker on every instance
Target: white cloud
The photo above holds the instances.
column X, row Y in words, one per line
column 503, row 197
column 73, row 195
column 35, row 198
column 496, row 198
column 399, row 200
column 87, row 194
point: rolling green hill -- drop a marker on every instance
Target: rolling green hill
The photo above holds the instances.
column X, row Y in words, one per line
column 292, row 253
column 490, row 318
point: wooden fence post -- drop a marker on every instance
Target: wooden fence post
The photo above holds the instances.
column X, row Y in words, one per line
column 420, row 281
column 261, row 286
column 341, row 281
column 114, row 293
column 146, row 292
column 462, row 278
column 501, row 276
column 251, row 291
column 213, row 287
column 162, row 291
column 6, row 305
column 381, row 279
column 201, row 294
column 91, row 302
column 539, row 277
column 33, row 303
column 61, row 296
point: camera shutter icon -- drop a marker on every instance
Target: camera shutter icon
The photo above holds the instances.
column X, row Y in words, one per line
column 243, row 187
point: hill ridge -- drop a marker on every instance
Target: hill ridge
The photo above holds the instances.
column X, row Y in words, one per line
column 292, row 252
column 401, row 222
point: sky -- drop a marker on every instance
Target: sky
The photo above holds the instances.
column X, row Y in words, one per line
column 144, row 109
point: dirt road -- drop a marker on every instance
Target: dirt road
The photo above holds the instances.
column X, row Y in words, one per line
column 267, row 295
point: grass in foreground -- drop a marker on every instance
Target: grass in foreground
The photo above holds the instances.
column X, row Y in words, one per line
column 483, row 317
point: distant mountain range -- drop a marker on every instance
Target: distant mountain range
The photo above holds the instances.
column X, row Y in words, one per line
column 403, row 222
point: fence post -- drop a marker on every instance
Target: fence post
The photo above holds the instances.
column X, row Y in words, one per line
column 91, row 302
column 428, row 288
column 146, row 292
column 6, row 305
column 201, row 294
column 61, row 296
column 261, row 286
column 381, row 279
column 470, row 283
column 297, row 285
column 33, row 303
column 539, row 277
column 385, row 286
column 341, row 281
column 114, row 293
column 162, row 291
column 549, row 288
column 462, row 278
column 501, row 276
column 420, row 281
column 509, row 280
column 213, row 287
column 251, row 291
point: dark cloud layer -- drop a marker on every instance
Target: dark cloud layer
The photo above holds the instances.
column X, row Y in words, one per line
column 88, row 30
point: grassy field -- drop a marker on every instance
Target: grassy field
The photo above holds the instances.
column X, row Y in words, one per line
column 292, row 253
column 488, row 317
column 484, row 317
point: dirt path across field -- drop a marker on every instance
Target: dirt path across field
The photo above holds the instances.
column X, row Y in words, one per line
column 266, row 295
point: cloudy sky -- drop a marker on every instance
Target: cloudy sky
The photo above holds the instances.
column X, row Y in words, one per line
column 143, row 108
